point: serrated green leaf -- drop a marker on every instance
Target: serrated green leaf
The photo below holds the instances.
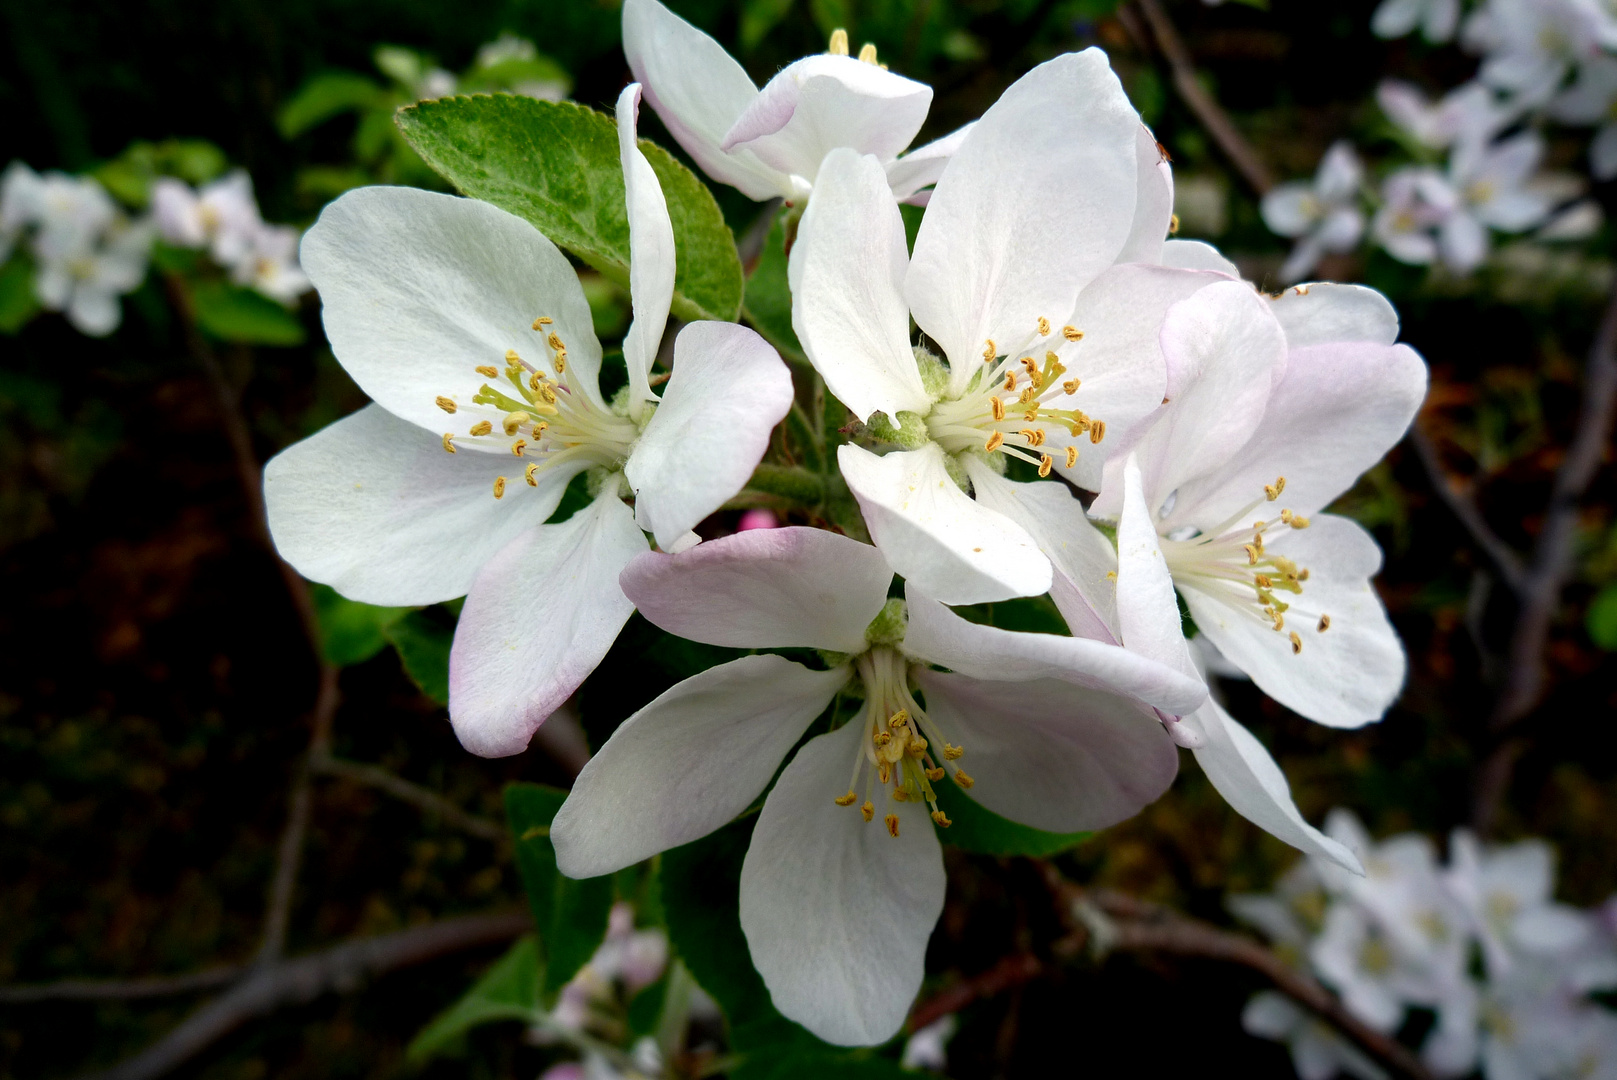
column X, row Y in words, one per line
column 351, row 632
column 423, row 647
column 229, row 313
column 977, row 829
column 507, row 991
column 326, row 96
column 555, row 164
column 18, row 303
column 768, row 303
column 570, row 915
column 1601, row 621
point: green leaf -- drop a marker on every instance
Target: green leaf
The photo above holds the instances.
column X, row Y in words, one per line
column 507, row 991
column 758, row 18
column 351, row 632
column 556, row 165
column 768, row 304
column 230, row 313
column 324, row 97
column 1029, row 614
column 1602, row 618
column 977, row 829
column 423, row 646
column 18, row 303
column 570, row 915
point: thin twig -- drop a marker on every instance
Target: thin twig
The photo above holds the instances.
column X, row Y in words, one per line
column 1009, row 972
column 341, row 968
column 1207, row 109
column 422, row 798
column 120, row 989
column 1461, row 503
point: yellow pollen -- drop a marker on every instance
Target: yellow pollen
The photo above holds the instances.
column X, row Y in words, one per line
column 1251, row 554
column 1298, row 521
column 519, row 446
column 446, row 404
column 962, row 779
column 951, row 753
column 1324, row 623
column 869, row 810
column 1263, row 581
column 1111, row 575
column 561, row 361
column 935, row 774
column 543, row 320
column 555, row 342
column 884, row 772
column 512, row 358
column 899, row 719
column 499, row 487
column 994, row 441
column 892, row 825
column 1032, row 412
column 901, row 795
column 528, row 474
column 990, row 350
column 882, row 738
column 1302, row 575
column 1280, row 620
column 995, row 405
column 449, row 441
column 1072, row 333
column 941, row 819
column 1034, row 436
column 845, row 800
column 1173, row 224
column 513, row 421
column 1026, row 395
column 1097, row 430
column 839, row 42
column 1072, row 456
column 482, row 427
column 1296, row 643
column 867, row 53
column 1046, row 463
column 488, row 371
column 916, row 748
column 1070, row 386
column 1032, row 368
column 1010, row 380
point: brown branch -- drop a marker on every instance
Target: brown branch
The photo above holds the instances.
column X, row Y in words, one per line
column 1009, row 972
column 1195, row 96
column 1461, row 503
column 422, row 798
column 119, row 989
column 341, row 968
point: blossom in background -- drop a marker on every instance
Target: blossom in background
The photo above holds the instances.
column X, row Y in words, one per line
column 221, row 216
column 929, row 1048
column 1529, row 46
column 1592, row 101
column 1437, row 19
column 1469, row 113
column 471, row 333
column 1318, row 1052
column 1415, row 202
column 1493, row 187
column 770, row 143
column 1323, row 214
column 844, row 878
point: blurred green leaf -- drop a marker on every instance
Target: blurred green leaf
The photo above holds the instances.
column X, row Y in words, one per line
column 507, row 991
column 768, row 303
column 556, row 165
column 399, row 63
column 351, row 632
column 977, row 829
column 231, row 313
column 570, row 915
column 326, row 96
column 758, row 18
column 1602, row 618
column 18, row 303
column 423, row 646
column 1029, row 615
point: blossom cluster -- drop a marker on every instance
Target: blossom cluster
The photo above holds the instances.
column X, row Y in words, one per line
column 1480, row 945
column 88, row 250
column 1091, row 411
column 1478, row 151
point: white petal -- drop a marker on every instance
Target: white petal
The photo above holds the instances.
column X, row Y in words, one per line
column 651, row 250
column 539, row 617
column 765, row 589
column 1083, row 559
column 1270, row 1014
column 1051, row 757
column 1337, row 411
column 837, row 913
column 1197, row 255
column 373, row 507
column 1153, row 207
column 1395, row 18
column 420, row 289
column 846, row 272
column 822, row 102
column 1346, row 676
column 922, row 166
column 698, row 92
column 1038, row 199
column 939, row 636
column 1147, row 610
column 933, row 534
column 1291, row 209
column 728, row 391
column 1246, row 775
column 688, row 762
column 1463, row 242
column 92, row 311
column 1324, row 313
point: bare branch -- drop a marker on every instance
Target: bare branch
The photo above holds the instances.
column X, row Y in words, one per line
column 1458, row 498
column 422, row 798
column 120, row 989
column 341, row 968
column 1011, row 971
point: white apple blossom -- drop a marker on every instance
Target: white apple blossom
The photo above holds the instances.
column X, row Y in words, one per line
column 1323, row 215
column 844, row 879
column 1529, row 46
column 928, row 1048
column 1318, row 1052
column 1592, row 101
column 21, row 191
column 1508, row 893
column 87, row 252
column 270, row 264
column 1415, row 202
column 1047, row 346
column 222, row 216
column 470, row 331
column 770, row 143
column 1437, row 19
column 1492, row 188
column 1468, row 113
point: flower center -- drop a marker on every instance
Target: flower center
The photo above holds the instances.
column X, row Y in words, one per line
column 897, row 752
column 548, row 419
column 1232, row 563
column 1013, row 403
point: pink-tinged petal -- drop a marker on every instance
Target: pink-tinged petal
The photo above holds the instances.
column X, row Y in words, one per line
column 1345, row 676
column 539, row 617
column 837, row 913
column 939, row 636
column 846, row 272
column 1037, row 200
column 1051, row 757
column 651, row 251
column 698, row 92
column 1246, row 775
column 1147, row 610
column 935, row 535
column 820, row 103
column 764, row 589
column 1197, row 255
column 1324, row 313
column 373, row 507
column 1153, row 208
column 688, row 763
column 922, row 166
column 728, row 391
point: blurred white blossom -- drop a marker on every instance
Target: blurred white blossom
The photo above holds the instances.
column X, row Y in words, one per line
column 1437, row 19
column 1323, row 215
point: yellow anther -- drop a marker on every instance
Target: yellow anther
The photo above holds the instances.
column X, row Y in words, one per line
column 839, row 42
column 1298, row 521
column 845, row 800
column 519, row 446
column 499, row 487
column 1036, row 379
column 1173, row 224
column 1072, row 456
column 1296, row 643
column 1324, row 623
column 1032, row 412
column 900, row 795
column 1280, row 483
column 962, row 779
column 1026, row 396
column 512, row 358
column 1111, row 575
column 1010, row 380
column 446, row 404
column 899, row 719
column 867, row 53
column 1044, row 326
column 547, row 393
column 869, row 810
column 555, row 342
column 1079, row 427
column 941, row 819
column 1280, row 620
column 561, row 361
column 1271, row 492
column 994, row 441
column 527, row 474
column 995, row 405
column 884, row 772
column 892, row 825
column 935, row 774
column 952, row 753
column 1070, row 386
column 1046, row 463
column 488, row 371
column 1251, row 554
column 449, row 441
column 990, row 350
column 1302, row 575
column 1263, row 581
column 1032, row 368
column 1034, row 436
column 482, row 427
column 1072, row 333
column 882, row 738
column 543, row 320
column 916, row 749
column 1097, row 430
column 514, row 421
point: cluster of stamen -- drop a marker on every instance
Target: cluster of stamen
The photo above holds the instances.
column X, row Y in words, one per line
column 903, row 751
column 531, row 414
column 1014, row 402
column 1234, row 562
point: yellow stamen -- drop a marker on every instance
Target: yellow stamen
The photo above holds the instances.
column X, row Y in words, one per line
column 990, row 350
column 882, row 738
column 519, row 446
column 839, row 42
column 482, row 427
column 512, row 358
column 1070, row 386
column 1302, row 575
column 941, row 819
column 1324, row 623
column 1251, row 554
column 1173, row 224
column 899, row 719
column 935, row 774
column 528, row 474
column 892, row 825
column 1296, row 643
column 995, row 405
column 869, row 810
column 1263, row 581
column 1280, row 620
column 561, row 361
column 962, row 779
column 1044, row 326
column 1072, row 333
column 845, row 800
column 499, row 487
column 543, row 320
column 449, row 443
column 488, row 371
column 1046, row 463
column 513, row 422
column 994, row 441
column 1072, row 456
column 951, row 753
column 447, row 405
column 1097, row 430
column 867, row 53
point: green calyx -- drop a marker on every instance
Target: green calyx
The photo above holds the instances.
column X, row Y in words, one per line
column 934, row 372
column 909, row 432
column 888, row 627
